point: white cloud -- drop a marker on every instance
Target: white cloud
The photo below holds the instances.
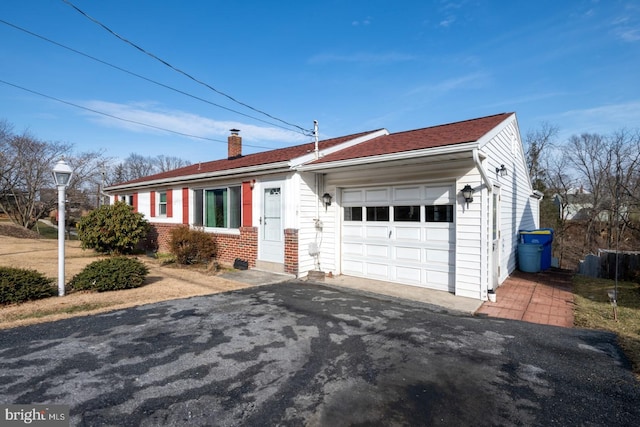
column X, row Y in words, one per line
column 604, row 119
column 474, row 80
column 134, row 116
column 447, row 22
column 390, row 57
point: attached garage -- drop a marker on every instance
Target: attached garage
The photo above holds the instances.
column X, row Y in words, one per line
column 402, row 234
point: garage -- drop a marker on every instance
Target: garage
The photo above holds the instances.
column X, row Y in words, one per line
column 403, row 234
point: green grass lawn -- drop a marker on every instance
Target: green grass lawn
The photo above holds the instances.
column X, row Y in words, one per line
column 594, row 311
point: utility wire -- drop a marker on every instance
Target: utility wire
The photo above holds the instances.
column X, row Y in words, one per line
column 121, row 118
column 109, row 30
column 138, row 75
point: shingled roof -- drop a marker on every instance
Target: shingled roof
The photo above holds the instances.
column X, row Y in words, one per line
column 430, row 137
column 256, row 159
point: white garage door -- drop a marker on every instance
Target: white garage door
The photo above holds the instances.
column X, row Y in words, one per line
column 403, row 234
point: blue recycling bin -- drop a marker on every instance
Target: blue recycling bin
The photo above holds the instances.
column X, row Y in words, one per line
column 529, row 257
column 541, row 236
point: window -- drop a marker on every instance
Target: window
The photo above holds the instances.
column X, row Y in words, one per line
column 162, row 203
column 406, row 213
column 377, row 213
column 218, row 208
column 127, row 199
column 439, row 213
column 353, row 213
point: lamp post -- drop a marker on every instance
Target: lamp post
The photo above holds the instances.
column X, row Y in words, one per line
column 62, row 176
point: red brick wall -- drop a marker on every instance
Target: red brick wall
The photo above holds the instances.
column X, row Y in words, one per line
column 291, row 251
column 230, row 246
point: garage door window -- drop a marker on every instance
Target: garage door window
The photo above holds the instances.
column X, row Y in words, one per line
column 377, row 213
column 439, row 213
column 353, row 213
column 406, row 213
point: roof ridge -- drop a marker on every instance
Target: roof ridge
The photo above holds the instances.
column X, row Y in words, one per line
column 451, row 123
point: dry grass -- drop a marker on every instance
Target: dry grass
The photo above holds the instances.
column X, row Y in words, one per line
column 163, row 283
column 594, row 311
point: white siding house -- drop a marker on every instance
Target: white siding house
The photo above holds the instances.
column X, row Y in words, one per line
column 396, row 210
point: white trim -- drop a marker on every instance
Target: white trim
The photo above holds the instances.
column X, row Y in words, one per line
column 227, row 173
column 338, row 147
column 425, row 152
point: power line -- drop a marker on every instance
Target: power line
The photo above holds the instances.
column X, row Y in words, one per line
column 184, row 73
column 124, row 70
column 121, row 118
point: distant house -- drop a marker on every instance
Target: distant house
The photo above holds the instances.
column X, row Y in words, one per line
column 379, row 205
column 577, row 204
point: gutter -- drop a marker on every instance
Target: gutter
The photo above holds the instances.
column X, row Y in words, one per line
column 425, row 152
column 270, row 167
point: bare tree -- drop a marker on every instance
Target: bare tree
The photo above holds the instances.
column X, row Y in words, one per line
column 538, row 143
column 25, row 171
column 137, row 166
column 166, row 163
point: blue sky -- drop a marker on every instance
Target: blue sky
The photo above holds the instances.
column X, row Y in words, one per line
column 351, row 65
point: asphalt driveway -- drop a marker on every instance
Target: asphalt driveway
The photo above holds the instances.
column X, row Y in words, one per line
column 302, row 354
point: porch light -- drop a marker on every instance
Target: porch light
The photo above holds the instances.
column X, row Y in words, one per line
column 62, row 176
column 467, row 193
column 502, row 170
column 326, row 199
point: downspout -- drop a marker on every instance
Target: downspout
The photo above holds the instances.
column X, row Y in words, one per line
column 489, row 184
column 485, row 178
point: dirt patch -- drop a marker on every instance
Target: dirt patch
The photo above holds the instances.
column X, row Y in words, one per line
column 163, row 283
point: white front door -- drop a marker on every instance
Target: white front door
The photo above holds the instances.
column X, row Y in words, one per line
column 271, row 231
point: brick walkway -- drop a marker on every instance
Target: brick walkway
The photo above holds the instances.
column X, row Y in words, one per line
column 543, row 297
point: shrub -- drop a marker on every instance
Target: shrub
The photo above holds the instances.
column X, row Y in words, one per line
column 110, row 274
column 191, row 246
column 20, row 285
column 113, row 229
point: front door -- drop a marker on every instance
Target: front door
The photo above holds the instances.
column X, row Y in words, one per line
column 272, row 233
column 495, row 238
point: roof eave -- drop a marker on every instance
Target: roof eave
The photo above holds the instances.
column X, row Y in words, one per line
column 227, row 173
column 404, row 155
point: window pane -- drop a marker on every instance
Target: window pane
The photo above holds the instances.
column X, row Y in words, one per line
column 353, row 213
column 216, row 207
column 235, row 207
column 377, row 213
column 198, row 207
column 162, row 205
column 406, row 213
column 439, row 213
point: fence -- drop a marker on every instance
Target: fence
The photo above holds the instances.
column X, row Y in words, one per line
column 603, row 265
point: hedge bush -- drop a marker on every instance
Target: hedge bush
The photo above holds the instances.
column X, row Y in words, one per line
column 191, row 246
column 19, row 285
column 113, row 229
column 111, row 274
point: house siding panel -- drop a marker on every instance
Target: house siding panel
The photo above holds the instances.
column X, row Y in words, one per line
column 519, row 211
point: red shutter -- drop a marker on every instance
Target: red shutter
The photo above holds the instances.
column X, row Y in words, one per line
column 135, row 202
column 247, row 204
column 169, row 203
column 153, row 203
column 185, row 206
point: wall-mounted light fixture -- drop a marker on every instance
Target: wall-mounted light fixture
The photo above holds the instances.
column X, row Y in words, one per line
column 252, row 183
column 502, row 170
column 326, row 199
column 467, row 193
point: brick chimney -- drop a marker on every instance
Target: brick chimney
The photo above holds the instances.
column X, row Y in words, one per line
column 234, row 144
